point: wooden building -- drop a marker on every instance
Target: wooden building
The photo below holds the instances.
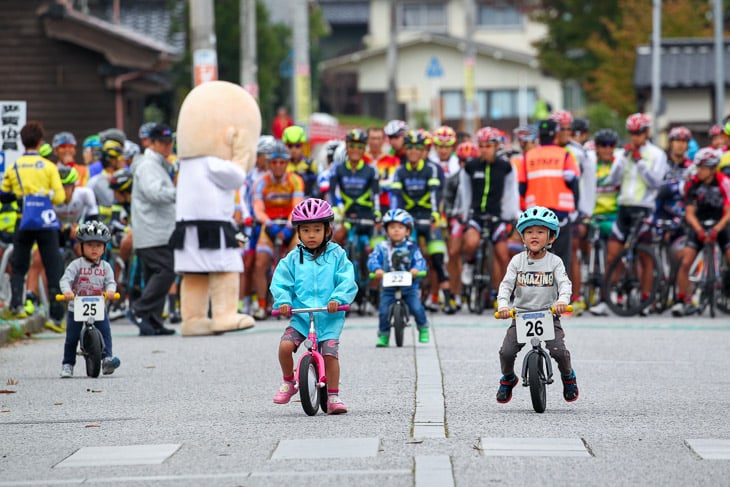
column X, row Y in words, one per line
column 78, row 72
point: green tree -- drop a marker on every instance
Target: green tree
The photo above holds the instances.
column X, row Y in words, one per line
column 611, row 81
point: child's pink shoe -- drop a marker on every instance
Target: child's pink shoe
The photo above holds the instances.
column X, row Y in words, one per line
column 335, row 406
column 286, row 391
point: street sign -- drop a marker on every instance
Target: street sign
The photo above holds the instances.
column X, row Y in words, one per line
column 434, row 68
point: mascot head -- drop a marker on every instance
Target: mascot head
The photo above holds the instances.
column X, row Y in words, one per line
column 219, row 119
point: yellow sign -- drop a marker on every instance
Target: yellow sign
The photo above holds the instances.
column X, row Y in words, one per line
column 304, row 97
column 469, row 81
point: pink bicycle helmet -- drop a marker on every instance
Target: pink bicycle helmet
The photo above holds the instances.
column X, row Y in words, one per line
column 563, row 118
column 312, row 210
column 638, row 122
column 680, row 133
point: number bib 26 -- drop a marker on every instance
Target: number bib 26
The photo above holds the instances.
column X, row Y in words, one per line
column 397, row 279
column 534, row 324
column 86, row 307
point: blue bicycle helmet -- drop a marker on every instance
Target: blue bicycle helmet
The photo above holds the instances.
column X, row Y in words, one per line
column 398, row 215
column 540, row 216
column 279, row 151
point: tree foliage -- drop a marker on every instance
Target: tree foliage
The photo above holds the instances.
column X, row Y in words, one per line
column 596, row 42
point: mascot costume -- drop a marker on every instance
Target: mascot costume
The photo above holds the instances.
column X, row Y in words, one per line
column 217, row 132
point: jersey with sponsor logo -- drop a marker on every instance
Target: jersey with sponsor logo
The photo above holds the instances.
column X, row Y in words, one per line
column 278, row 196
column 536, row 284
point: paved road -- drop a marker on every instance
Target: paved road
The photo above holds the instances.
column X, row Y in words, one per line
column 198, row 411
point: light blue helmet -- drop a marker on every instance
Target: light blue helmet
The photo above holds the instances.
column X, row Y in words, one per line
column 398, row 215
column 265, row 144
column 279, row 151
column 538, row 216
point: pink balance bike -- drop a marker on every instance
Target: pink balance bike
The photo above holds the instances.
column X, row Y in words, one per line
column 310, row 369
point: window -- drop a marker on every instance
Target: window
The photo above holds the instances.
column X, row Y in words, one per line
column 499, row 15
column 428, row 16
column 508, row 103
column 452, row 104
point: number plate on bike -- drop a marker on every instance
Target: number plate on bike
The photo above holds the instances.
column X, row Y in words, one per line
column 86, row 307
column 397, row 279
column 534, row 324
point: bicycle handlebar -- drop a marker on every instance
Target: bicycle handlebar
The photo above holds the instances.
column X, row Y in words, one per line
column 418, row 274
column 61, row 297
column 513, row 311
column 342, row 307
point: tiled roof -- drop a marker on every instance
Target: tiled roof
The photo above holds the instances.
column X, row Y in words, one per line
column 685, row 63
column 153, row 18
column 344, row 12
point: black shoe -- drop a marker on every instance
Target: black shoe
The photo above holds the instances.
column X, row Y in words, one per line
column 175, row 318
column 504, row 394
column 164, row 331
column 570, row 388
column 145, row 327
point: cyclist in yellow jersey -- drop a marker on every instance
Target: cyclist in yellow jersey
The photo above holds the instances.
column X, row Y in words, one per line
column 37, row 176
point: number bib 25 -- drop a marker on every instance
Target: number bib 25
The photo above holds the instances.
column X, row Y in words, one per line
column 86, row 307
column 534, row 324
column 397, row 279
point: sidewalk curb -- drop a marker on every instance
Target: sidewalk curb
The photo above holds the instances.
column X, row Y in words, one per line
column 28, row 326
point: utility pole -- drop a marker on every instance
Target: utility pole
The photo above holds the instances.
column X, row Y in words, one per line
column 469, row 66
column 203, row 41
column 302, row 77
column 656, row 59
column 719, row 62
column 249, row 62
column 391, row 60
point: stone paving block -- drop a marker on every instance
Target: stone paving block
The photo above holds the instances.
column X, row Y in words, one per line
column 100, row 456
column 534, row 447
column 327, row 448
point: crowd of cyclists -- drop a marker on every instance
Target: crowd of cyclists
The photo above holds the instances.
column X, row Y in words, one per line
column 457, row 187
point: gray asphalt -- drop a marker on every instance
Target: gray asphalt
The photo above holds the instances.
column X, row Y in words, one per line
column 650, row 389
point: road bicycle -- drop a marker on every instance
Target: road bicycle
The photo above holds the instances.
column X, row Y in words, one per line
column 477, row 293
column 310, row 369
column 712, row 295
column 89, row 310
column 537, row 327
column 666, row 294
column 357, row 248
column 398, row 311
column 622, row 283
column 593, row 263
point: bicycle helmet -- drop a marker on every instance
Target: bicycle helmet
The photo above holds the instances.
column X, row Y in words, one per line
column 680, row 133
column 467, row 150
column 580, row 125
column 144, row 130
column 606, row 137
column 525, row 133
column 93, row 231
column 546, row 129
column 395, row 128
column 331, row 147
column 638, row 122
column 414, row 138
column 92, row 141
column 279, row 151
column 357, row 135
column 112, row 149
column 486, row 135
column 538, row 216
column 294, row 135
column 265, row 145
column 707, row 157
column 562, row 117
column 45, row 150
column 63, row 138
column 398, row 215
column 444, row 136
column 112, row 134
column 69, row 175
column 131, row 150
column 340, row 154
column 312, row 210
column 121, row 180
column 715, row 130
column 427, row 137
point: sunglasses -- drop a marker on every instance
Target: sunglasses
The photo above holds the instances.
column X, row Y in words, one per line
column 355, row 145
column 278, row 161
column 395, row 136
column 294, row 145
column 636, row 132
column 606, row 144
column 415, row 146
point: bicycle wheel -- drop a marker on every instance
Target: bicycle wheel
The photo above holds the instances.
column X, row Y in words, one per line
column 723, row 294
column 622, row 284
column 398, row 319
column 92, row 345
column 309, row 393
column 536, row 379
column 667, row 289
column 593, row 281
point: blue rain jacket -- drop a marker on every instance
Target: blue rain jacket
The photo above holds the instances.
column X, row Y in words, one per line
column 301, row 282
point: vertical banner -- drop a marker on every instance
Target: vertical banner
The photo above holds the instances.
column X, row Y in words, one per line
column 12, row 119
column 205, row 63
column 303, row 88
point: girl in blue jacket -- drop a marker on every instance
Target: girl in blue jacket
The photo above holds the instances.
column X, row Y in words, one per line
column 315, row 274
